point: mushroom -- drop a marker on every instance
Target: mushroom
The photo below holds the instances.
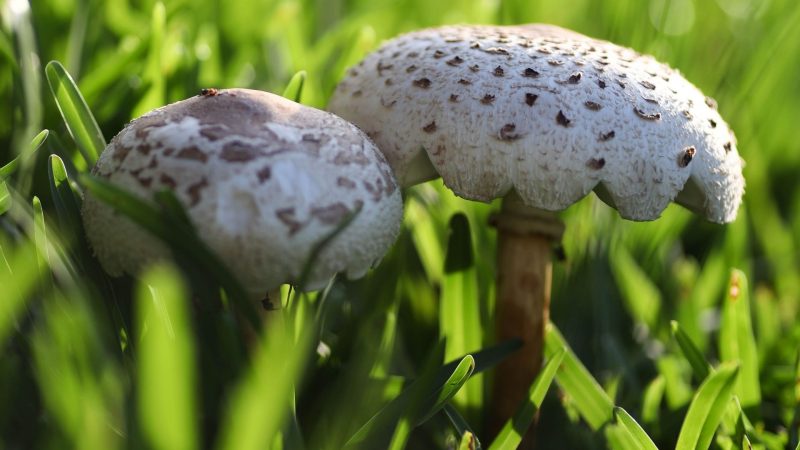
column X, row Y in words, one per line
column 262, row 179
column 540, row 116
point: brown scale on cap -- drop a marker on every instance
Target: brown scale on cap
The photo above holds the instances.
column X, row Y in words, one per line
column 686, row 156
column 423, row 83
column 562, row 120
column 593, row 106
column 596, row 163
column 530, row 99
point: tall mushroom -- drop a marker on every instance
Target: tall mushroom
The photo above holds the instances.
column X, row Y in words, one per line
column 263, row 180
column 540, row 116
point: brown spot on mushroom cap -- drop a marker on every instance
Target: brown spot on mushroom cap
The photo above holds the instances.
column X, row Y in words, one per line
column 454, row 98
column 239, row 152
column 508, row 133
column 423, row 83
column 474, row 68
column 331, row 214
column 287, row 217
column 686, row 157
column 575, row 78
column 593, row 106
column 264, row 174
column 498, row 71
column 607, row 136
column 647, row 116
column 562, row 120
column 464, row 82
column 192, row 153
column 167, row 180
column 455, row 61
column 430, row 128
column 530, row 73
column 345, row 182
column 530, row 99
column 596, row 163
column 195, row 190
column 487, row 99
column 647, row 84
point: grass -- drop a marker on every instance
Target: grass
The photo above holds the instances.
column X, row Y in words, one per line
column 669, row 333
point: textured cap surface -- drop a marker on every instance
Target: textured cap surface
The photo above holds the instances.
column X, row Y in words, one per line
column 548, row 112
column 263, row 180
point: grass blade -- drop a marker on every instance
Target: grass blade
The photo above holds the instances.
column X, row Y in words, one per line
column 459, row 308
column 706, row 410
column 450, row 387
column 700, row 367
column 7, row 170
column 642, row 297
column 514, row 429
column 590, row 399
column 261, row 402
column 737, row 342
column 468, row 442
column 153, row 76
column 166, row 402
column 461, row 426
column 76, row 114
column 294, row 89
column 18, row 275
column 635, row 431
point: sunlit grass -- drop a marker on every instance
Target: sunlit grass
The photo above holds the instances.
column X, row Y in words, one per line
column 675, row 331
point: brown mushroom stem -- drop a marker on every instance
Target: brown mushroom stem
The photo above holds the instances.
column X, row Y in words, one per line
column 524, row 272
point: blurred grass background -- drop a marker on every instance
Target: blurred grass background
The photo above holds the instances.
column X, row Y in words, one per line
column 81, row 362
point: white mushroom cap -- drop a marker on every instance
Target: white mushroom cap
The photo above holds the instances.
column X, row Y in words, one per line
column 263, row 180
column 548, row 112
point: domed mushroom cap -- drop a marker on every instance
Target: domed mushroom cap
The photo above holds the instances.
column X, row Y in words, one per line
column 548, row 112
column 263, row 180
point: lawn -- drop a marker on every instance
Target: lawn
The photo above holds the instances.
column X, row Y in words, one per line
column 676, row 333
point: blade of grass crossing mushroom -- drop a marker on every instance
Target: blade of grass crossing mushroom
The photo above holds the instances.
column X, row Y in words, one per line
column 700, row 367
column 76, row 114
column 320, row 246
column 260, row 404
column 166, row 367
column 707, row 408
column 588, row 396
column 65, row 199
column 633, row 428
column 514, row 429
column 294, row 89
column 737, row 342
column 169, row 225
column 459, row 308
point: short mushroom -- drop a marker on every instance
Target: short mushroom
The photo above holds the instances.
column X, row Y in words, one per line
column 263, row 180
column 540, row 116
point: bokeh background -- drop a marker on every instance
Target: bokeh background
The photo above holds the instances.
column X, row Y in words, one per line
column 74, row 371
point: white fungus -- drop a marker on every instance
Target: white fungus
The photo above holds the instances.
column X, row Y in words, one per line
column 263, row 180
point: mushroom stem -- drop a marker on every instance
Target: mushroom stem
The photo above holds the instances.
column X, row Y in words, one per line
column 524, row 272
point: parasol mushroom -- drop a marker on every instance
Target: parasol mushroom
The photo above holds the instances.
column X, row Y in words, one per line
column 539, row 116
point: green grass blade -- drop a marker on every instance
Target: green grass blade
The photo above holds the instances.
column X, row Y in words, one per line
column 459, row 308
column 651, row 400
column 589, row 397
column 18, row 275
column 468, row 442
column 260, row 404
column 641, row 296
column 40, row 240
column 635, row 431
column 76, row 114
column 12, row 166
column 423, row 233
column 514, row 429
column 153, row 76
column 5, row 198
column 700, row 367
column 706, row 410
column 460, row 425
column 450, row 387
column 166, row 368
column 737, row 342
column 294, row 89
column 66, row 200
